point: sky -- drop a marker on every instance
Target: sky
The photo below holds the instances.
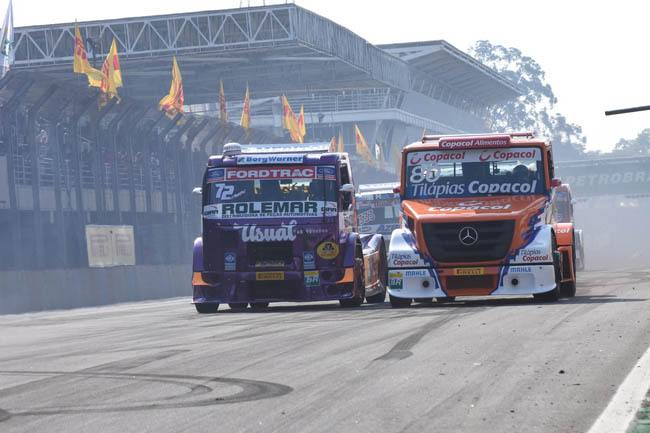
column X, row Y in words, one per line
column 595, row 53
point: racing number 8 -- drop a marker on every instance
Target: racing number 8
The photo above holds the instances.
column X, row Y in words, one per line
column 224, row 192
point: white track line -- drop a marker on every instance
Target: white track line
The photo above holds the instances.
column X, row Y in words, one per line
column 624, row 405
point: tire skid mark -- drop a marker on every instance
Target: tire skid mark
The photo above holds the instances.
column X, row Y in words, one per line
column 250, row 390
column 402, row 349
column 114, row 366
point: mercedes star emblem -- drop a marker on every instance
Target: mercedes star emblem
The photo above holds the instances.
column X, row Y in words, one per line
column 468, row 236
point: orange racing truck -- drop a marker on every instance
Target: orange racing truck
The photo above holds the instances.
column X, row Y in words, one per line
column 479, row 216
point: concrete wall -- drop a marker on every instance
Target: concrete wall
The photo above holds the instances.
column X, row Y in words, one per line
column 22, row 291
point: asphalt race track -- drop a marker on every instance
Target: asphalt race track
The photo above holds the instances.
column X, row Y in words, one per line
column 481, row 365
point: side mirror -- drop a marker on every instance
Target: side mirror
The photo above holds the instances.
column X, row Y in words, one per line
column 396, row 189
column 348, row 187
column 198, row 191
column 556, row 182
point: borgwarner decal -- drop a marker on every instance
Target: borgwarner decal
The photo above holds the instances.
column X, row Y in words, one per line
column 270, row 209
column 269, row 159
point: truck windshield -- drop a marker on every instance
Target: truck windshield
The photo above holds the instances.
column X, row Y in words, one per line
column 270, row 192
column 474, row 172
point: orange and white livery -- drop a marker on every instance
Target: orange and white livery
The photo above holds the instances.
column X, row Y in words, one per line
column 479, row 218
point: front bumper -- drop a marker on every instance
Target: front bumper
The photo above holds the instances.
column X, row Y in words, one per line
column 471, row 281
column 273, row 286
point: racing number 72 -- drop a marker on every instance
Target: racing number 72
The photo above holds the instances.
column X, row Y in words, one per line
column 224, row 192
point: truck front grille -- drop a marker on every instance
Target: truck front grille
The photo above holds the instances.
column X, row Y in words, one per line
column 269, row 251
column 443, row 241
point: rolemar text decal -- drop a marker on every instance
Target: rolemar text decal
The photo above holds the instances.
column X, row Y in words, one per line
column 270, row 209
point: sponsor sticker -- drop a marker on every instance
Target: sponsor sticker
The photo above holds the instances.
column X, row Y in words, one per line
column 327, row 173
column 269, row 159
column 402, row 259
column 266, row 173
column 416, row 273
column 269, row 263
column 521, row 269
column 269, row 276
column 395, row 281
column 469, row 271
column 214, row 175
column 312, row 278
column 253, row 233
column 308, row 260
column 229, row 261
column 270, row 209
column 534, row 255
column 328, row 250
column 366, row 216
column 211, row 211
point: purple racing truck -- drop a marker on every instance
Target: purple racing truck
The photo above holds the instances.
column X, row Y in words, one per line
column 279, row 225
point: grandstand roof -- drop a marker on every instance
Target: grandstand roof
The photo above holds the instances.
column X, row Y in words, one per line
column 444, row 62
column 279, row 48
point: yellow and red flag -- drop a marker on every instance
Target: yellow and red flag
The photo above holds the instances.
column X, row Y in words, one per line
column 245, row 121
column 362, row 147
column 172, row 103
column 332, row 148
column 302, row 130
column 289, row 121
column 223, row 112
column 81, row 63
column 113, row 80
column 340, row 143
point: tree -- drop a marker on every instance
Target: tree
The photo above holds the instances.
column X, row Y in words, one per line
column 635, row 147
column 533, row 111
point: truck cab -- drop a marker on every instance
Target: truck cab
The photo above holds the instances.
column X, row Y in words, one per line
column 479, row 218
column 378, row 209
column 278, row 224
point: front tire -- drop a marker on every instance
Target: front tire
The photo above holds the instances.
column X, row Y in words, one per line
column 259, row 305
column 445, row 299
column 238, row 306
column 206, row 308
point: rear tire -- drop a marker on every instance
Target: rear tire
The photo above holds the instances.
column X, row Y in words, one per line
column 383, row 278
column 396, row 302
column 206, row 308
column 359, row 289
column 445, row 299
column 238, row 306
column 259, row 305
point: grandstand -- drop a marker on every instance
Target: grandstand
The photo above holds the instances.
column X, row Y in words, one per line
column 64, row 163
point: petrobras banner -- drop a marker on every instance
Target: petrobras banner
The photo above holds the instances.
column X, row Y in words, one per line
column 270, row 209
column 613, row 176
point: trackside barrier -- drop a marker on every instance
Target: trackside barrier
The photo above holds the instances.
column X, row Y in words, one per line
column 24, row 291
